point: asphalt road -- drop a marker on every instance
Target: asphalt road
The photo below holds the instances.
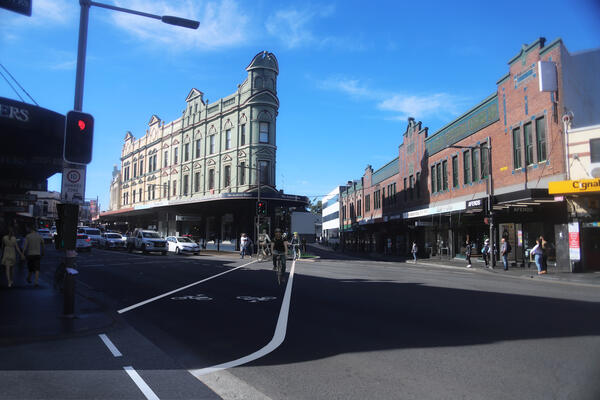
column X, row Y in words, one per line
column 355, row 330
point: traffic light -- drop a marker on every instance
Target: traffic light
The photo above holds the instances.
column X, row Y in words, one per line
column 261, row 207
column 79, row 137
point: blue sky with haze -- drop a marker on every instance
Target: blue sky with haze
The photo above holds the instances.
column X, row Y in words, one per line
column 351, row 72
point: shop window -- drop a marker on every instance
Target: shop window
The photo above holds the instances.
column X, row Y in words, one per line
column 540, row 136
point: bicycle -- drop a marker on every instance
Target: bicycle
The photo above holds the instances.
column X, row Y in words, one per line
column 279, row 266
column 263, row 253
column 296, row 252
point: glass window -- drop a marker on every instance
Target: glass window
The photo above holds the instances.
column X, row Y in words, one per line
column 166, row 159
column 368, row 203
column 141, row 167
column 211, row 179
column 528, row 144
column 175, row 155
column 467, row 167
column 264, row 132
column 516, row 133
column 404, row 190
column 186, row 152
column 438, row 177
column 475, row 164
column 445, row 174
column 198, row 147
column 174, row 188
column 227, row 176
column 186, row 184
column 242, row 169
column 133, row 197
column 417, row 187
column 411, row 181
column 359, row 208
column 243, row 135
column 264, row 172
column 212, row 144
column 140, row 194
column 540, row 137
column 454, row 171
column 484, row 161
column 228, row 139
column 595, row 150
column 433, row 179
column 196, row 181
column 165, row 190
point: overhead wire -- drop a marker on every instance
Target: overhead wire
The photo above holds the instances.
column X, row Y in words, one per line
column 12, row 87
column 17, row 82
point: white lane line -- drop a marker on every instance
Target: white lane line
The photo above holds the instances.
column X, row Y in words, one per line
column 137, row 379
column 113, row 349
column 278, row 336
column 123, row 310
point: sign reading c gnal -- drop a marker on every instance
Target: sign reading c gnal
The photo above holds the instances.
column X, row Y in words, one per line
column 577, row 186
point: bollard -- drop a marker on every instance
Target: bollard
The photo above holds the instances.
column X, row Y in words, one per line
column 69, row 293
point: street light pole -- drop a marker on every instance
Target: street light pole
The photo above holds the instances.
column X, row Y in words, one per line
column 258, row 183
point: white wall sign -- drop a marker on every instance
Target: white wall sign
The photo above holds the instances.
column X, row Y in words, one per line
column 73, row 185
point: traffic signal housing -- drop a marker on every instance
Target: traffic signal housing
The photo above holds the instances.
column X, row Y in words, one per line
column 261, row 207
column 79, row 137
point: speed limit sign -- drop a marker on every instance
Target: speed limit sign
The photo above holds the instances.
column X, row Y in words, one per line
column 73, row 185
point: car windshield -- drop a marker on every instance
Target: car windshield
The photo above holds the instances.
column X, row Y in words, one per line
column 113, row 236
column 184, row 240
column 151, row 235
column 92, row 231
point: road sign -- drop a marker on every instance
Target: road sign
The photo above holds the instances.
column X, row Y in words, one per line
column 18, row 6
column 73, row 185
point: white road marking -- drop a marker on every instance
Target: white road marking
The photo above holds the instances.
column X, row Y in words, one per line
column 278, row 336
column 137, row 379
column 198, row 297
column 123, row 310
column 113, row 349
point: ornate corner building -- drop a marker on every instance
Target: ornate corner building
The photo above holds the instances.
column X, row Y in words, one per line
column 199, row 173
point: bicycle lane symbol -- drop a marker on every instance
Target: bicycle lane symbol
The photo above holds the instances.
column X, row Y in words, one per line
column 199, row 297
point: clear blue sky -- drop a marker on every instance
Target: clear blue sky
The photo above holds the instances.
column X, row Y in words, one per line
column 350, row 72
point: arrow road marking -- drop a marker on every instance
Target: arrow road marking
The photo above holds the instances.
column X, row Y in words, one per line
column 278, row 336
column 124, row 310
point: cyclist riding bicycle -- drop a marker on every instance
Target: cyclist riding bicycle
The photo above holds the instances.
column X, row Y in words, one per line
column 279, row 248
column 264, row 242
column 296, row 245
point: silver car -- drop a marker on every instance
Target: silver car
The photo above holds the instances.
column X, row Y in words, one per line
column 112, row 240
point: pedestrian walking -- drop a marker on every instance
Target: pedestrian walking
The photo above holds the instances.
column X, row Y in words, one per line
column 10, row 249
column 537, row 253
column 468, row 248
column 34, row 251
column 504, row 251
column 485, row 252
column 414, row 251
column 545, row 250
column 244, row 245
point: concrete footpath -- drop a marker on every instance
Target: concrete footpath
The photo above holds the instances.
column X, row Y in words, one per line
column 32, row 313
column 553, row 275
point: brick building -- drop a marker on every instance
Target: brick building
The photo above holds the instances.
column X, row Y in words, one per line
column 436, row 192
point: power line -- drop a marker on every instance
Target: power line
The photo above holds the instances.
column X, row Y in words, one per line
column 17, row 82
column 12, row 87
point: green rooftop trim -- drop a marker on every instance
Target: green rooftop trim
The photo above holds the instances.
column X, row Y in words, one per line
column 503, row 79
column 551, row 46
column 540, row 41
column 482, row 115
column 388, row 170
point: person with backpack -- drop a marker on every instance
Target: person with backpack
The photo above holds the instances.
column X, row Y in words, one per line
column 504, row 250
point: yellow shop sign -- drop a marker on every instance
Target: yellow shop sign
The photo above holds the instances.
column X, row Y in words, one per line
column 578, row 186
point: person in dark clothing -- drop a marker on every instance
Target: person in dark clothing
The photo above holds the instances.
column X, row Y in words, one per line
column 468, row 248
column 279, row 248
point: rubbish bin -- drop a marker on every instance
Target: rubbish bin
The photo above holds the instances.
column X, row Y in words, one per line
column 69, row 293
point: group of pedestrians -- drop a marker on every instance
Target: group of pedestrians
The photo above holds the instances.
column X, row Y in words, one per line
column 32, row 251
column 264, row 241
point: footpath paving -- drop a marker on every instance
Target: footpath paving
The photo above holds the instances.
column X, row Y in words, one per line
column 553, row 275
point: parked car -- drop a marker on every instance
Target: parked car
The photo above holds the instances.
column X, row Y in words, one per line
column 112, row 240
column 181, row 245
column 83, row 242
column 146, row 241
column 45, row 234
column 94, row 235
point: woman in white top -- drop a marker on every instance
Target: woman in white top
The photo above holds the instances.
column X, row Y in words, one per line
column 537, row 254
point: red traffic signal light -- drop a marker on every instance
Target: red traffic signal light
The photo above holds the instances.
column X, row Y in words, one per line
column 79, row 137
column 261, row 207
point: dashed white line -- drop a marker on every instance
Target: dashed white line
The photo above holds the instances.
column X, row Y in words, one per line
column 123, row 310
column 137, row 379
column 113, row 349
column 278, row 336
